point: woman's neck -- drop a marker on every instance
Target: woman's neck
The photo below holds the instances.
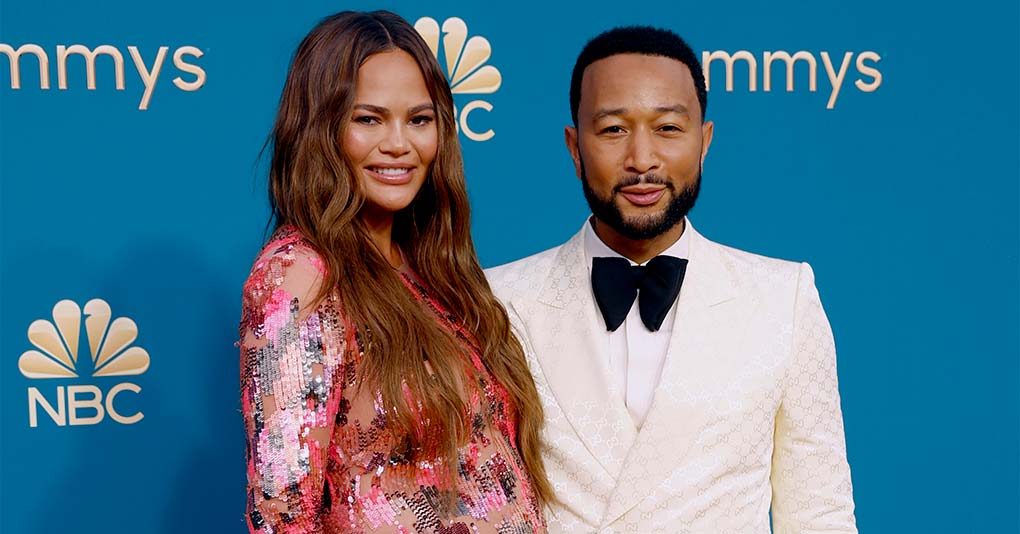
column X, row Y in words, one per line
column 380, row 232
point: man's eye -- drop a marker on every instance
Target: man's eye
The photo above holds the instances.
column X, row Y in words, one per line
column 671, row 128
column 611, row 130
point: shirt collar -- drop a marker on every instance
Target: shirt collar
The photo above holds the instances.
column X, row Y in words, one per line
column 594, row 247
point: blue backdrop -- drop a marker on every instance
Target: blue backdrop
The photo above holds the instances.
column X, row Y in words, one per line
column 903, row 196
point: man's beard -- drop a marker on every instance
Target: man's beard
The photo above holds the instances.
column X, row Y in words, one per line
column 645, row 226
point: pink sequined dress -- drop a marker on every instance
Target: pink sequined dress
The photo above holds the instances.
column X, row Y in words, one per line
column 322, row 456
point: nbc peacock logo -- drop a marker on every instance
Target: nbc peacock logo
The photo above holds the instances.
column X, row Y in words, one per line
column 466, row 70
column 111, row 354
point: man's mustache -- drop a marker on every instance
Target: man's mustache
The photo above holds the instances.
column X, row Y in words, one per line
column 648, row 178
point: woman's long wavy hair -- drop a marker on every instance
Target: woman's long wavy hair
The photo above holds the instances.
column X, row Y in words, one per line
column 314, row 187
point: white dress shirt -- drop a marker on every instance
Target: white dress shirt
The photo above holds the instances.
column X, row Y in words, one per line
column 636, row 354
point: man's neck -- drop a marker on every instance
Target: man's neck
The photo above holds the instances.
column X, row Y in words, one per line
column 638, row 250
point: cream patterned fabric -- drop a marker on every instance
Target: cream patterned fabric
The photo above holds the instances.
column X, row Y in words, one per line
column 746, row 416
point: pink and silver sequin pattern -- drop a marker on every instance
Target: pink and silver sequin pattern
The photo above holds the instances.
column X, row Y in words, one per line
column 322, row 456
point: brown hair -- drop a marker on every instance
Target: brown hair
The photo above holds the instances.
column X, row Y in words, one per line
column 313, row 187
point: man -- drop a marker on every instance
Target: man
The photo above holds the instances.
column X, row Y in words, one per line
column 710, row 399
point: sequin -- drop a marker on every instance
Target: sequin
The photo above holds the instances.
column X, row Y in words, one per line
column 322, row 456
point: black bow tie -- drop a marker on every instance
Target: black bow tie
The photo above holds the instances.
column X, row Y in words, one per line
column 616, row 282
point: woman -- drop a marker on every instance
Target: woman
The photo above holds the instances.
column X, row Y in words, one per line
column 382, row 388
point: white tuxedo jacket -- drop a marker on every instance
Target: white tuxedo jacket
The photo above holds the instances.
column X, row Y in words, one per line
column 746, row 415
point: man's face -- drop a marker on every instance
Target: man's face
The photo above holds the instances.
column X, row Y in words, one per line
column 640, row 143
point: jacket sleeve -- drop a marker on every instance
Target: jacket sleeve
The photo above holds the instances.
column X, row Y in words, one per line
column 812, row 491
column 290, row 391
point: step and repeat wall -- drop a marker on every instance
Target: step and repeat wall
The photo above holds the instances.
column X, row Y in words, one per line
column 878, row 142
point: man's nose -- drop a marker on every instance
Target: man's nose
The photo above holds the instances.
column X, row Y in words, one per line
column 641, row 154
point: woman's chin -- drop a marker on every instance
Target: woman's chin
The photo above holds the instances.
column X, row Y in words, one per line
column 386, row 207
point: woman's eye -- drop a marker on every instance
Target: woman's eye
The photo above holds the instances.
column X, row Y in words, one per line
column 366, row 119
column 421, row 120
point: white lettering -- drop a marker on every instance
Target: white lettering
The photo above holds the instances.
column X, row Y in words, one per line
column 95, row 403
column 769, row 57
column 835, row 79
column 35, row 399
column 468, row 132
column 189, row 68
column 14, row 58
column 752, row 67
column 868, row 71
column 149, row 77
column 90, row 64
column 124, row 420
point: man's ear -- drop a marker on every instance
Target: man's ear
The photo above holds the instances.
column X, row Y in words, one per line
column 570, row 138
column 706, row 139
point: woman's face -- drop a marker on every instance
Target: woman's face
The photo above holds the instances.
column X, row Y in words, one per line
column 392, row 136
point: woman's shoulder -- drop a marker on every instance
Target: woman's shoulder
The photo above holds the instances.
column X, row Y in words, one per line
column 287, row 268
column 287, row 248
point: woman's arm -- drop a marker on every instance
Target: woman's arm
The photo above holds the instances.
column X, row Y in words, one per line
column 290, row 390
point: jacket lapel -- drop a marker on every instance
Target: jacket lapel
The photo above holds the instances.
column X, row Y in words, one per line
column 708, row 306
column 571, row 346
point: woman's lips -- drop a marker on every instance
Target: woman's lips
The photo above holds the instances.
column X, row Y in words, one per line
column 643, row 197
column 391, row 175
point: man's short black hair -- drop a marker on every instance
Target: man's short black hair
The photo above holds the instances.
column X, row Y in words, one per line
column 644, row 40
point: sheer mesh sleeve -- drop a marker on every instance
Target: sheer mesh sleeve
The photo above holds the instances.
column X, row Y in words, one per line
column 291, row 354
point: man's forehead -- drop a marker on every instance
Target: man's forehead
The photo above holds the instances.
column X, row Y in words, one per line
column 634, row 62
column 637, row 77
column 631, row 70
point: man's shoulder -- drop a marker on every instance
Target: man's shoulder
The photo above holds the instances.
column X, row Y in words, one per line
column 523, row 276
column 758, row 270
column 747, row 260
